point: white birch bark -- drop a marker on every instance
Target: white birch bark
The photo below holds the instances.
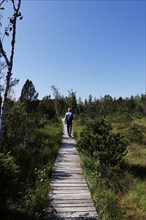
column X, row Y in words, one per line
column 8, row 60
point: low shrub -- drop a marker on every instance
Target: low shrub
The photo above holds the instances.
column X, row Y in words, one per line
column 98, row 141
column 9, row 173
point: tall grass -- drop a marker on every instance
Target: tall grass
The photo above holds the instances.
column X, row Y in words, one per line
column 36, row 162
column 36, row 199
column 104, row 198
column 134, row 201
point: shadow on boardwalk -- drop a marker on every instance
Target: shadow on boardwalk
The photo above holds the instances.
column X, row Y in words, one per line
column 69, row 197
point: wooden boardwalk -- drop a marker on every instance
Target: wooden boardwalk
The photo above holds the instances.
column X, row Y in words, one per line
column 69, row 196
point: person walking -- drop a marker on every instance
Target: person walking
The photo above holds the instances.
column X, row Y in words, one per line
column 69, row 116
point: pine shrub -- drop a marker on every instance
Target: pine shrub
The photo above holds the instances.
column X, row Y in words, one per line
column 98, row 141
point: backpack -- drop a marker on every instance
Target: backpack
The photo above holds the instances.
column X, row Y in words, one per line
column 70, row 118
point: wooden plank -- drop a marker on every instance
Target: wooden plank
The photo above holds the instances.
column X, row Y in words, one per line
column 67, row 172
column 76, row 209
column 66, row 152
column 68, row 177
column 71, row 177
column 69, row 157
column 56, row 168
column 60, row 172
column 66, row 168
column 58, row 205
column 70, row 191
column 70, row 201
column 67, row 162
column 69, row 188
column 61, row 183
column 83, row 215
column 67, row 184
column 71, row 170
column 69, row 196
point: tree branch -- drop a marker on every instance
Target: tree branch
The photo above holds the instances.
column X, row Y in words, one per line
column 4, row 53
column 13, row 5
column 2, row 2
column 14, row 32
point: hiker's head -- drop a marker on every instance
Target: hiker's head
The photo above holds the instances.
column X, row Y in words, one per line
column 69, row 109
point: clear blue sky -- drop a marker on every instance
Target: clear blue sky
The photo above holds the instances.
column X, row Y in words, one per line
column 93, row 47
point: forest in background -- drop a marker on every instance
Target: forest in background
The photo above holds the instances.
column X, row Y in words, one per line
column 32, row 135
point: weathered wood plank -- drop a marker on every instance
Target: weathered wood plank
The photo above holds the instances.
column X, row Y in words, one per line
column 67, row 163
column 69, row 196
column 66, row 174
column 71, row 170
column 68, row 180
column 67, row 184
column 76, row 209
column 71, row 189
column 71, row 201
column 70, row 159
column 71, row 177
column 58, row 205
column 78, row 214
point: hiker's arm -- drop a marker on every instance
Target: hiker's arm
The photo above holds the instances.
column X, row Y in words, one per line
column 65, row 118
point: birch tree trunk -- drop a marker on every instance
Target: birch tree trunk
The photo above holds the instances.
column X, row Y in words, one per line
column 9, row 61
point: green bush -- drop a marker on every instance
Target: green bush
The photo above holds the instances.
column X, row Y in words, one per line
column 19, row 126
column 98, row 141
column 9, row 172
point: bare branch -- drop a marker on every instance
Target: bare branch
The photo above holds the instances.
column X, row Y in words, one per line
column 4, row 53
column 13, row 5
column 2, row 2
column 14, row 34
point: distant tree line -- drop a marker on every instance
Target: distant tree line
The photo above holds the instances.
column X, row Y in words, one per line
column 135, row 105
column 56, row 106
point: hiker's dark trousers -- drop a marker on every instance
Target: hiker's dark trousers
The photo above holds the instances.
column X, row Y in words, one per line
column 69, row 129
